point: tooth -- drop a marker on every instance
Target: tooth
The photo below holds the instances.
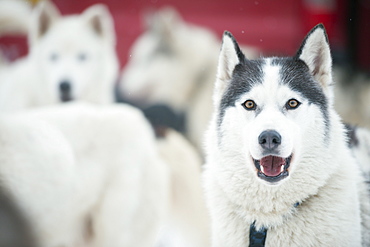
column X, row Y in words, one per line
column 262, row 170
column 282, row 168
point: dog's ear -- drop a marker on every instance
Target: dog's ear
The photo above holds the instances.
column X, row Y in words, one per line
column 230, row 56
column 100, row 20
column 315, row 52
column 43, row 17
column 147, row 16
column 164, row 22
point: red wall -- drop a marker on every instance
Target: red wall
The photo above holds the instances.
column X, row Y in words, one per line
column 277, row 27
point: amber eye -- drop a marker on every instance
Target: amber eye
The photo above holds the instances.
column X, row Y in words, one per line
column 292, row 104
column 249, row 105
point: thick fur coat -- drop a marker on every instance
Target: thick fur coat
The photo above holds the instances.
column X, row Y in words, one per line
column 314, row 195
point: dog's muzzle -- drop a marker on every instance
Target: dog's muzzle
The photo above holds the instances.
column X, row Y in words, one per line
column 271, row 168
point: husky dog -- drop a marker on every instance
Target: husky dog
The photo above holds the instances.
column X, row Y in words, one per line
column 180, row 62
column 85, row 175
column 70, row 58
column 279, row 171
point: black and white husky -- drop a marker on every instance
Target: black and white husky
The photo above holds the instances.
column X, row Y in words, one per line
column 279, row 171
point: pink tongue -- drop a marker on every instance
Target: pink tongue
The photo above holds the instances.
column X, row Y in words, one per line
column 272, row 165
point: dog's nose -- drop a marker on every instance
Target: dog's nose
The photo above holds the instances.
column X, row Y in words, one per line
column 269, row 139
column 65, row 86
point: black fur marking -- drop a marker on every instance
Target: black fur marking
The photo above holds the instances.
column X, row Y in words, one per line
column 352, row 140
column 245, row 75
column 295, row 73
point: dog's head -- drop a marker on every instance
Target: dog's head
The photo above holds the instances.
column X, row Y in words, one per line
column 167, row 60
column 273, row 110
column 73, row 52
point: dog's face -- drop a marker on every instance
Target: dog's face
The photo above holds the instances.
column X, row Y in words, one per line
column 274, row 110
column 165, row 61
column 156, row 72
column 69, row 51
column 69, row 61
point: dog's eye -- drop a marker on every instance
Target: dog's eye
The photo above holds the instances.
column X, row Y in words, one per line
column 249, row 105
column 292, row 104
column 54, row 57
column 82, row 56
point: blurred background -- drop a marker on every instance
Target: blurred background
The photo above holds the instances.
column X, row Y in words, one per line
column 275, row 27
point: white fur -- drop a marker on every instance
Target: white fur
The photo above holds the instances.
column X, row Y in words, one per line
column 38, row 170
column 188, row 221
column 76, row 48
column 93, row 171
column 272, row 117
column 323, row 176
column 182, row 79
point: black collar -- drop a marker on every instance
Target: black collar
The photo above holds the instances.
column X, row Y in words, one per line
column 258, row 238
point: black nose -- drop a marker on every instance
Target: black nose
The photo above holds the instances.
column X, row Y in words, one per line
column 65, row 86
column 269, row 139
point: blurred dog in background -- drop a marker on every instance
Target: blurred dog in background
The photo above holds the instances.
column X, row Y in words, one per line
column 85, row 175
column 174, row 63
column 70, row 58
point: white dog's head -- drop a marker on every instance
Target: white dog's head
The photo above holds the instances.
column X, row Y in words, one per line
column 75, row 54
column 274, row 111
column 167, row 61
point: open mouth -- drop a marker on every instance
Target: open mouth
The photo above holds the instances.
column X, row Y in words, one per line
column 272, row 168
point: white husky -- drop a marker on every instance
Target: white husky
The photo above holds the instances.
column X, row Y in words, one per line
column 85, row 176
column 279, row 171
column 70, row 58
column 179, row 61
